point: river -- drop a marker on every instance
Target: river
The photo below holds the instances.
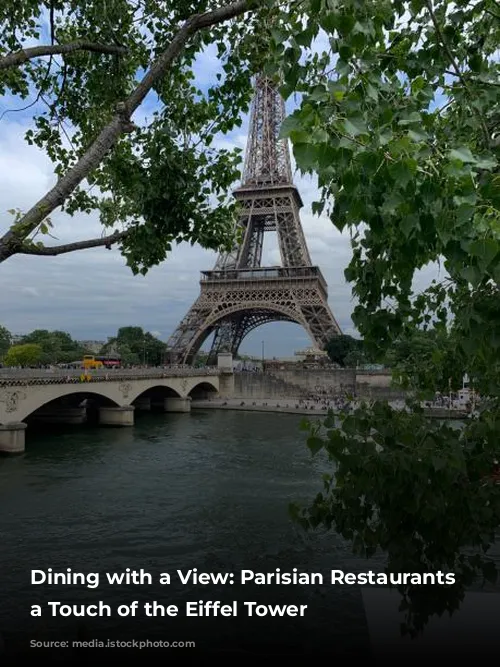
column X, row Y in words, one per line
column 206, row 490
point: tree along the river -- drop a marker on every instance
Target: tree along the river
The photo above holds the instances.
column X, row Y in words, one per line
column 155, row 176
column 57, row 346
column 5, row 341
column 136, row 346
column 28, row 354
column 340, row 347
column 399, row 117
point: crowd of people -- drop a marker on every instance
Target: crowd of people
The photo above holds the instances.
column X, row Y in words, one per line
column 339, row 400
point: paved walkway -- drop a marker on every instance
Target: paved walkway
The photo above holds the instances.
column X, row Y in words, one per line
column 307, row 407
column 287, row 406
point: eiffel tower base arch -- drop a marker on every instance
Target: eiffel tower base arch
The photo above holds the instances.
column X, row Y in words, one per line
column 232, row 307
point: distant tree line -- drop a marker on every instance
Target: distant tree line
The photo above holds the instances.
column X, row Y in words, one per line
column 136, row 347
column 42, row 347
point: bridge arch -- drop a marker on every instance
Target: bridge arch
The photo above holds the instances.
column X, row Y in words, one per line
column 204, row 390
column 157, row 391
column 65, row 396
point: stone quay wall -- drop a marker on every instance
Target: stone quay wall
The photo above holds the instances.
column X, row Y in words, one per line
column 303, row 383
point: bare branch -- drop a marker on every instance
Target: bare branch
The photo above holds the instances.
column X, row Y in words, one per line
column 19, row 57
column 118, row 125
column 107, row 241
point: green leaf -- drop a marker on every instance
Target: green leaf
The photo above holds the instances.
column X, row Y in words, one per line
column 410, row 119
column 472, row 274
column 315, row 444
column 409, row 224
column 355, row 126
column 418, row 84
column 291, row 123
column 279, row 36
column 486, row 162
column 438, row 463
column 319, row 94
column 372, row 92
column 300, row 137
column 305, row 425
column 486, row 249
column 304, row 38
column 317, row 207
column 464, row 213
column 417, row 135
column 403, row 170
column 305, row 155
column 463, row 154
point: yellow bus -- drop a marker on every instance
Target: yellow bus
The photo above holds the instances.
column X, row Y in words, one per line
column 89, row 361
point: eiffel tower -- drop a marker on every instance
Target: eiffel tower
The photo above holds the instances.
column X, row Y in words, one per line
column 239, row 294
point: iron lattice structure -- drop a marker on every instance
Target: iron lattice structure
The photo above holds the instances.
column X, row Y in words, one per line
column 240, row 294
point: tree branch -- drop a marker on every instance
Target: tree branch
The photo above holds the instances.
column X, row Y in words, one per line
column 19, row 57
column 118, row 125
column 107, row 241
column 455, row 66
column 492, row 13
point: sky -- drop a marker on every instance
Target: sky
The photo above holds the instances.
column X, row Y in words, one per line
column 90, row 294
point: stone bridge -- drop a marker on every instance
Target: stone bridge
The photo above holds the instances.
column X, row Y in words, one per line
column 108, row 396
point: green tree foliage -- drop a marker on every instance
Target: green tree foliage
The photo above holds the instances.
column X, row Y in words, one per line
column 127, row 357
column 430, row 359
column 27, row 354
column 355, row 357
column 154, row 180
column 400, row 119
column 136, row 346
column 421, row 490
column 56, row 346
column 339, row 347
column 5, row 341
column 201, row 359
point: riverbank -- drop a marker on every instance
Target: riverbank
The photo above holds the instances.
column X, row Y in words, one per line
column 259, row 406
column 306, row 408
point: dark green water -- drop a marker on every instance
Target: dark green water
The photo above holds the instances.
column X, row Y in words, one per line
column 209, row 490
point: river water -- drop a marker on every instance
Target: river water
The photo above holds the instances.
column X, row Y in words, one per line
column 207, row 490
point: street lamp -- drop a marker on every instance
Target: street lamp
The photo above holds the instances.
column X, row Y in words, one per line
column 144, row 351
column 263, row 352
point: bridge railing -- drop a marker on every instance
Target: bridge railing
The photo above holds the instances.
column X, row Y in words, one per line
column 28, row 376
